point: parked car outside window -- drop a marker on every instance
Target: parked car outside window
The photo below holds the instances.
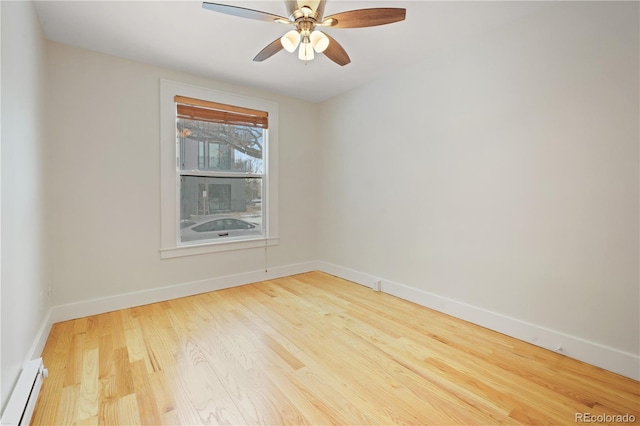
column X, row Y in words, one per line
column 218, row 228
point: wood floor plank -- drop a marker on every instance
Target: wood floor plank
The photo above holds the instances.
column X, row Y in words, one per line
column 92, row 333
column 135, row 342
column 310, row 349
column 146, row 400
column 108, row 412
column 123, row 379
column 68, row 412
column 165, row 401
column 56, row 350
column 117, row 329
column 128, row 411
column 90, row 421
column 89, row 385
column 105, row 356
column 201, row 397
column 73, row 368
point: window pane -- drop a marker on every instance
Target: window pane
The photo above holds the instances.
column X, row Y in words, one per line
column 230, row 148
column 214, row 155
column 218, row 208
column 200, row 155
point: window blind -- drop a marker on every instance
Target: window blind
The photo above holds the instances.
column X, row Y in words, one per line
column 197, row 109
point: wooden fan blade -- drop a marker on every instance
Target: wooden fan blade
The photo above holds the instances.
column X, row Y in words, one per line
column 291, row 6
column 336, row 52
column 365, row 17
column 271, row 49
column 243, row 13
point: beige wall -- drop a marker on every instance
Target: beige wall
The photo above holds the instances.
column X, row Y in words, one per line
column 104, row 185
column 502, row 173
column 25, row 215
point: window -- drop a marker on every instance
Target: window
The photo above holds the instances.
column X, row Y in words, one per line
column 219, row 184
column 233, row 140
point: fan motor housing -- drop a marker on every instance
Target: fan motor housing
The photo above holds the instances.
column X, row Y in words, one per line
column 294, row 6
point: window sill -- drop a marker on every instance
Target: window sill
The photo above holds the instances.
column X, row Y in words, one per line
column 192, row 250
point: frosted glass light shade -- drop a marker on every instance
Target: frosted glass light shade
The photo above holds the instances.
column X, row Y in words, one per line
column 290, row 41
column 319, row 41
column 306, row 51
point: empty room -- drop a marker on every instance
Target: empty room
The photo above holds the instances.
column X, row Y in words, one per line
column 319, row 212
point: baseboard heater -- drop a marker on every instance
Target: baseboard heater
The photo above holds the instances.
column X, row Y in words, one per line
column 23, row 399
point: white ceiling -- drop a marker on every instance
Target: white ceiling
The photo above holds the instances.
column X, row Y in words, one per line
column 182, row 35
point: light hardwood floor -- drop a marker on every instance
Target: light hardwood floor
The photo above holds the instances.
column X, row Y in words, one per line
column 310, row 349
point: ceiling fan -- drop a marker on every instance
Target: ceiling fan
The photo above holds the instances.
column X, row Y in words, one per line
column 305, row 16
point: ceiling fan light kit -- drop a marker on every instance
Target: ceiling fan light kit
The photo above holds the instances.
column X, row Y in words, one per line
column 305, row 15
column 319, row 41
column 290, row 41
column 305, row 53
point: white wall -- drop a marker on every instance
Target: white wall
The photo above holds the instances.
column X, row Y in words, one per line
column 105, row 180
column 24, row 279
column 502, row 174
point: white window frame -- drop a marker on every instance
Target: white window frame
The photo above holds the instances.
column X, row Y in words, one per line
column 170, row 246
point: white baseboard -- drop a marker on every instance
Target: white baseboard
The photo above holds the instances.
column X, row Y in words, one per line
column 138, row 298
column 611, row 359
column 35, row 351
